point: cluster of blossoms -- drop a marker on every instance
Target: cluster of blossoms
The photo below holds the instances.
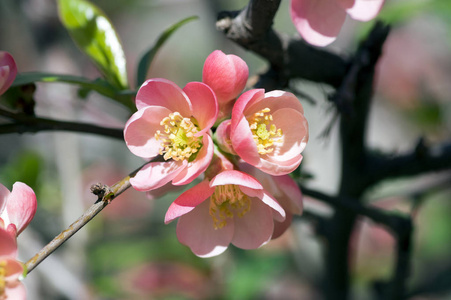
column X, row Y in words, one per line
column 17, row 208
column 246, row 197
column 320, row 21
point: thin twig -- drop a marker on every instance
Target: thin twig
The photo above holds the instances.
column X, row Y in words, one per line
column 105, row 195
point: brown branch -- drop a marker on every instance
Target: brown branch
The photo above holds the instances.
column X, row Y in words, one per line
column 105, row 195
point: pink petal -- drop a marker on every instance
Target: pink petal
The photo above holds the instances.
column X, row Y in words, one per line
column 196, row 230
column 4, row 194
column 243, row 143
column 365, row 10
column 255, row 228
column 204, row 104
column 318, row 21
column 8, row 244
column 8, row 71
column 236, row 177
column 274, row 100
column 17, row 292
column 188, row 200
column 278, row 168
column 292, row 199
column 198, row 165
column 139, row 132
column 13, row 268
column 281, row 227
column 156, row 174
column 222, row 136
column 165, row 93
column 295, row 134
column 245, row 100
column 21, row 206
column 225, row 74
column 268, row 199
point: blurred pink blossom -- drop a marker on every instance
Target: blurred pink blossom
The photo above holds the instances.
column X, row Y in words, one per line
column 174, row 123
column 10, row 268
column 8, row 71
column 17, row 207
column 320, row 21
column 238, row 210
column 269, row 131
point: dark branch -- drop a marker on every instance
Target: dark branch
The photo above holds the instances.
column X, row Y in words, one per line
column 289, row 58
column 23, row 123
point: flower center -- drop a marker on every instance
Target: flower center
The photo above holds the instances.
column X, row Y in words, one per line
column 225, row 201
column 264, row 131
column 2, row 279
column 177, row 139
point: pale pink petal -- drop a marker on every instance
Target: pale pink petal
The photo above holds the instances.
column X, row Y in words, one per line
column 225, row 74
column 268, row 199
column 318, row 21
column 235, row 177
column 188, row 200
column 295, row 134
column 243, row 143
column 255, row 228
column 8, row 244
column 8, row 71
column 156, row 174
column 278, row 168
column 139, row 132
column 204, row 103
column 16, row 292
column 163, row 92
column 292, row 199
column 4, row 194
column 365, row 10
column 281, row 227
column 222, row 136
column 245, row 100
column 197, row 231
column 21, row 206
column 274, row 100
column 198, row 165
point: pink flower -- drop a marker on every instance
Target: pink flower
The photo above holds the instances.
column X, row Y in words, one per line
column 8, row 71
column 269, row 131
column 10, row 268
column 284, row 189
column 17, row 207
column 231, row 208
column 174, row 123
column 320, row 21
column 227, row 76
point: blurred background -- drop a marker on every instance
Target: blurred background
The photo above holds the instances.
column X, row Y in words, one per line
column 127, row 252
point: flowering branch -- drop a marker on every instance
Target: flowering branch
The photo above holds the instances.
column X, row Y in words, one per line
column 25, row 123
column 105, row 195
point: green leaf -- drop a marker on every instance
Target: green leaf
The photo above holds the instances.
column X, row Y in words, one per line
column 94, row 34
column 147, row 58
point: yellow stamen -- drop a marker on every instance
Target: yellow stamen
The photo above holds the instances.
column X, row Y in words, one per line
column 2, row 279
column 264, row 131
column 226, row 201
column 177, row 138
